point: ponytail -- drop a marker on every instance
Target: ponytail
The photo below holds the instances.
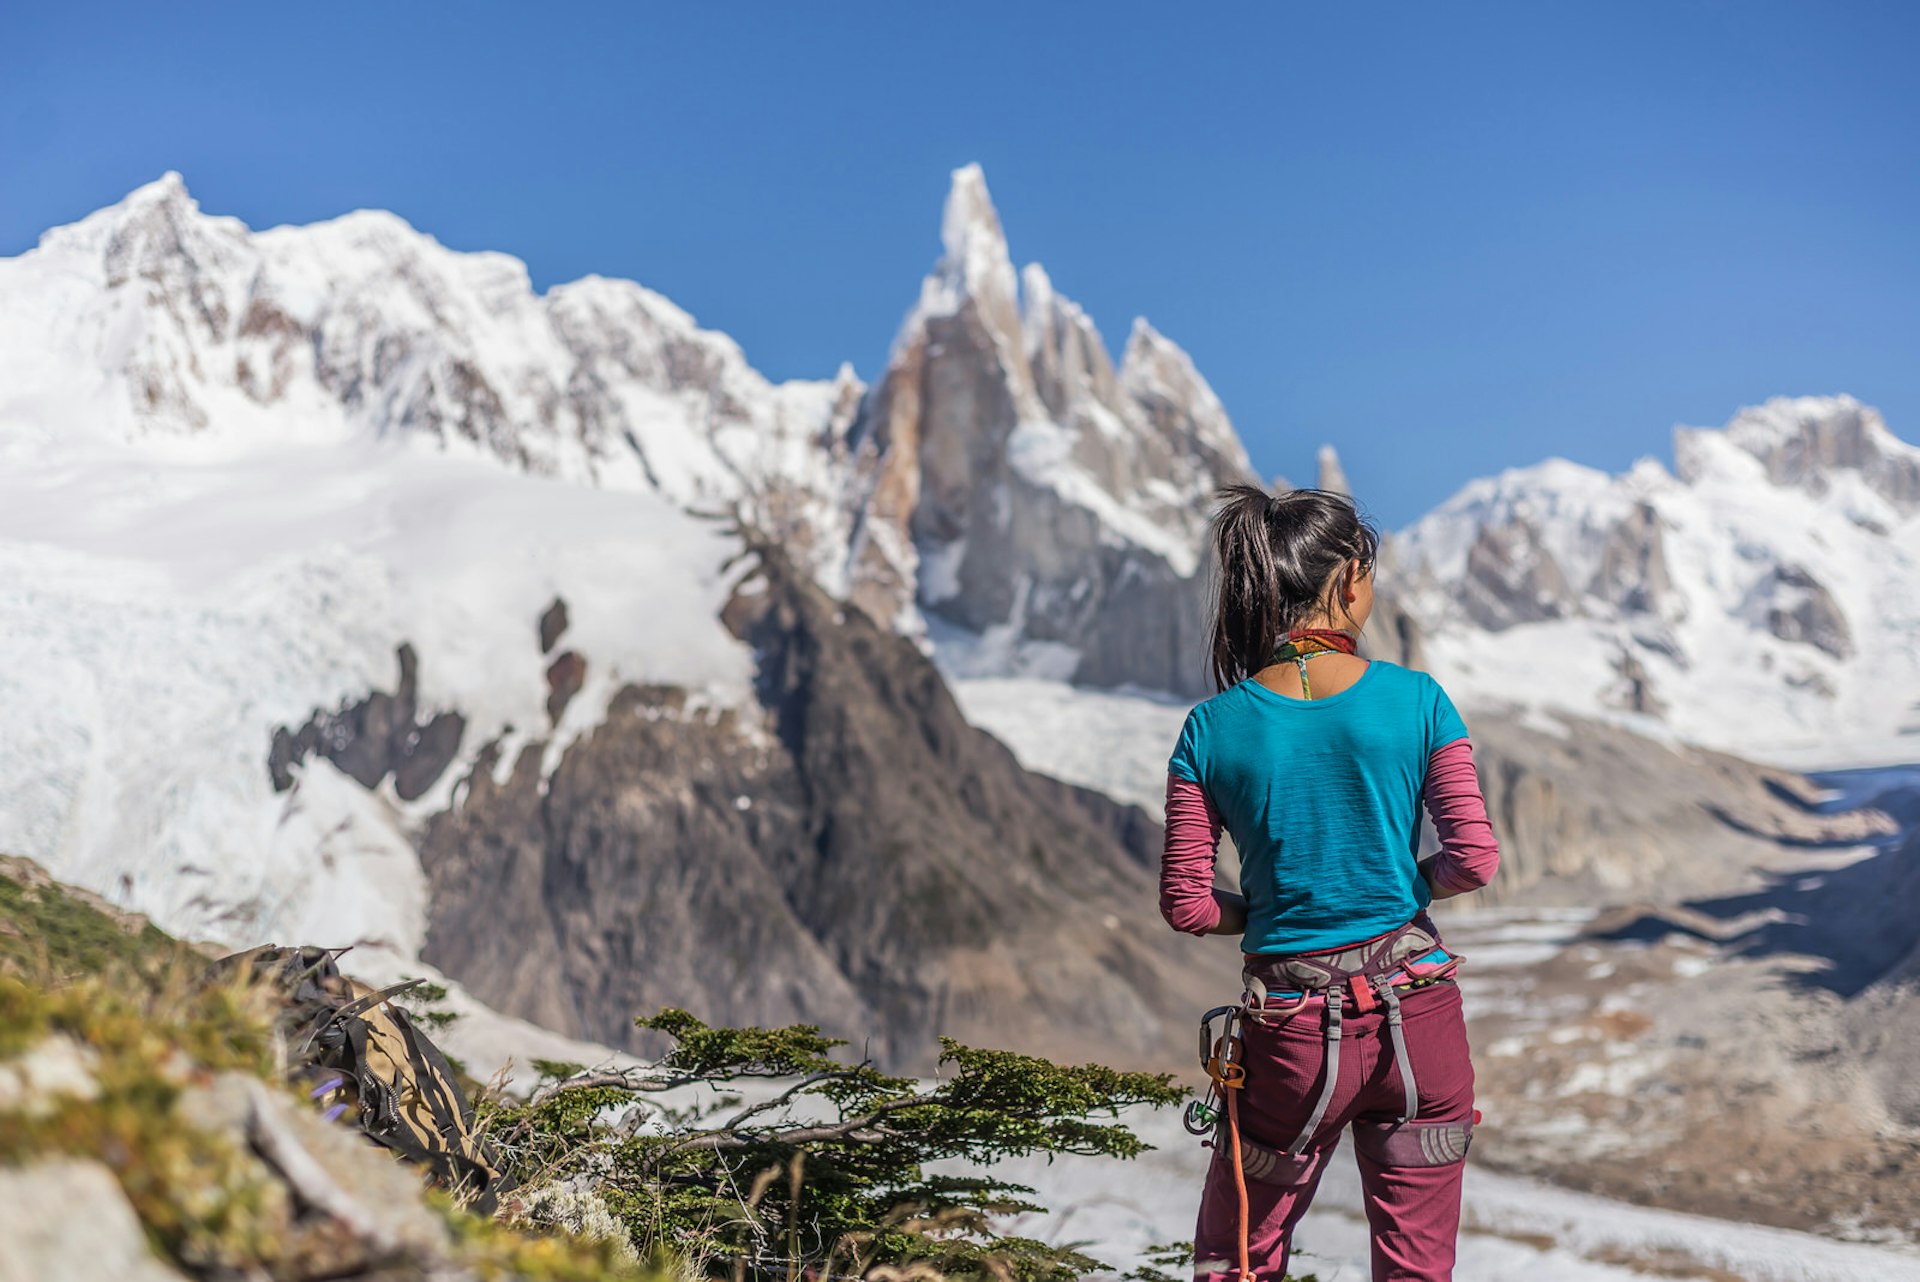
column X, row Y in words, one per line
column 1276, row 556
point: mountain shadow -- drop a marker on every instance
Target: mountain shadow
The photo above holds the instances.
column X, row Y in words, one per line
column 1857, row 919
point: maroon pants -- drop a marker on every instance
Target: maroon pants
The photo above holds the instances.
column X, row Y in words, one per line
column 1410, row 1174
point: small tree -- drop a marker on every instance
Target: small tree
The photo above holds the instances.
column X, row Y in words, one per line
column 825, row 1178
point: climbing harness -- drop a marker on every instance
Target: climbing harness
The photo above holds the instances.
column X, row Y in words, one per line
column 1372, row 975
column 1308, row 643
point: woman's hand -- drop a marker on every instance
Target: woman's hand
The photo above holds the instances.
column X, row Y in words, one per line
column 1233, row 913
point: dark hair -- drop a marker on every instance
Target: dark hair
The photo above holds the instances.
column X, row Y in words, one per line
column 1275, row 557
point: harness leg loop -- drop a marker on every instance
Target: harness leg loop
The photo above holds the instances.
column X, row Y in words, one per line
column 1330, row 1080
column 1396, row 1031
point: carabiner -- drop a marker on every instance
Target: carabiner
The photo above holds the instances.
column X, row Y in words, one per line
column 1200, row 1118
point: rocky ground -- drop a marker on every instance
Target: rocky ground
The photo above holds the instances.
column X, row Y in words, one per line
column 1674, row 1072
column 1745, row 1055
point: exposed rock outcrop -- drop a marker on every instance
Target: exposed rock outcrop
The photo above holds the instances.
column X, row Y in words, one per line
column 1633, row 572
column 1797, row 607
column 553, row 625
column 379, row 736
column 861, row 858
column 1512, row 578
column 565, row 675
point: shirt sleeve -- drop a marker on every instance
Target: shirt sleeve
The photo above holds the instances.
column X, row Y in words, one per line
column 1444, row 725
column 1186, row 866
column 1187, row 762
column 1469, row 855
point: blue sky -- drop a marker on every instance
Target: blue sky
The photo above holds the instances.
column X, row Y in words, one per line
column 1449, row 238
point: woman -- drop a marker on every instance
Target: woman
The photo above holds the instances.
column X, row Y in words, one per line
column 1317, row 762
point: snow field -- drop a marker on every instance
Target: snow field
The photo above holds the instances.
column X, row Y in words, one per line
column 158, row 621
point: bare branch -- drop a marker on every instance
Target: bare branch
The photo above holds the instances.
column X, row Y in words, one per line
column 784, row 1097
column 849, row 1129
column 626, row 1079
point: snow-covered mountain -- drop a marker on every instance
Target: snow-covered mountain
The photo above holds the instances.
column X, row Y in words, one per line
column 1763, row 597
column 279, row 513
column 1002, row 475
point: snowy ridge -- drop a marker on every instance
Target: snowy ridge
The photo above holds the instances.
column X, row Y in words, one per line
column 1761, row 598
column 244, row 466
column 153, row 321
column 193, row 333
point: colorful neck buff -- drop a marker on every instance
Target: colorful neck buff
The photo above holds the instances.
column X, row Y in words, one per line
column 1305, row 643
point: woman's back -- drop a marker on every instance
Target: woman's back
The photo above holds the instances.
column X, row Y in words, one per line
column 1322, row 799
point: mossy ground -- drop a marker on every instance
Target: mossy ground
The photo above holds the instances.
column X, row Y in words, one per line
column 152, row 1028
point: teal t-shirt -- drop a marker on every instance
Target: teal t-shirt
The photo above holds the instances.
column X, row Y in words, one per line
column 1322, row 798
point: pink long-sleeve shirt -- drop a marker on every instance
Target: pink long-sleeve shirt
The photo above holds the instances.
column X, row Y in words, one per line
column 1469, row 855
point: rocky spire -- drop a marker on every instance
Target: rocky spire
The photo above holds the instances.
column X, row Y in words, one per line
column 1332, row 476
column 1015, row 482
column 1071, row 369
column 975, row 275
column 1160, row 378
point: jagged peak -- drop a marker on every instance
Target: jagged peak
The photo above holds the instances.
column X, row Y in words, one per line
column 1037, row 296
column 168, row 188
column 1157, row 370
column 970, row 226
column 1144, row 335
column 1333, row 477
column 1045, row 310
column 1152, row 355
column 975, row 263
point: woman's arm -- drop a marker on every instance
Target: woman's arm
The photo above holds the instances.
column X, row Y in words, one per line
column 1469, row 856
column 1187, row 898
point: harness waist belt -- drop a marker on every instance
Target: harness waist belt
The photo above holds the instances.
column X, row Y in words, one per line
column 1372, row 973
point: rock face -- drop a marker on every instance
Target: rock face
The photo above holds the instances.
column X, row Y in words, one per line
column 1797, row 607
column 376, row 737
column 855, row 855
column 1016, row 484
column 1512, row 578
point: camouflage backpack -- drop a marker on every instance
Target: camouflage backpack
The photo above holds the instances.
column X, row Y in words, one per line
column 354, row 1051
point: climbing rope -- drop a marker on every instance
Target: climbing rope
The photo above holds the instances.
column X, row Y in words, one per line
column 1223, row 1058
